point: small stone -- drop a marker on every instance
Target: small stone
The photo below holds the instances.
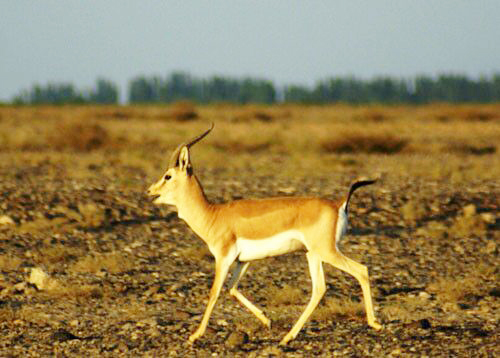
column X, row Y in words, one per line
column 38, row 277
column 425, row 323
column 63, row 335
column 424, row 295
column 469, row 210
column 74, row 323
column 236, row 339
column 491, row 247
column 459, row 249
column 20, row 287
column 6, row 221
column 488, row 218
column 179, row 315
column 396, row 352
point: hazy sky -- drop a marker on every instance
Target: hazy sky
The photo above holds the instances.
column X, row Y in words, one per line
column 285, row 41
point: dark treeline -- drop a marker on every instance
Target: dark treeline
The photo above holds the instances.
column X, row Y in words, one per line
column 105, row 92
column 180, row 86
column 351, row 90
column 387, row 90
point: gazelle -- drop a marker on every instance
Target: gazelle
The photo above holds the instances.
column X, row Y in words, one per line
column 247, row 230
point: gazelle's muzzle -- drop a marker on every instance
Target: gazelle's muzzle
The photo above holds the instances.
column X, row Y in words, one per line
column 151, row 193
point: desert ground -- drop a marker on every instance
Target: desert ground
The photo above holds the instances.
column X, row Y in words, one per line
column 90, row 267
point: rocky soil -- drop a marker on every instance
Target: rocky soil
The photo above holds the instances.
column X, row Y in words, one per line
column 89, row 267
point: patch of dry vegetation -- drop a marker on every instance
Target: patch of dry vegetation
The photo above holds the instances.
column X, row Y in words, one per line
column 251, row 113
column 238, row 146
column 182, row 111
column 113, row 262
column 456, row 289
column 412, row 211
column 9, row 262
column 332, row 308
column 79, row 136
column 381, row 143
column 445, row 113
column 468, row 223
column 286, row 295
column 407, row 309
column 243, row 140
column 196, row 253
column 470, row 149
column 56, row 254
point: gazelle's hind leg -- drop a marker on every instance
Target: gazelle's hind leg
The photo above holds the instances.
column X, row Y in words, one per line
column 237, row 274
column 318, row 290
column 360, row 272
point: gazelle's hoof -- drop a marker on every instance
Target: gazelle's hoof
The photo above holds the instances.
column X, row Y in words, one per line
column 376, row 326
column 267, row 322
column 285, row 340
column 194, row 337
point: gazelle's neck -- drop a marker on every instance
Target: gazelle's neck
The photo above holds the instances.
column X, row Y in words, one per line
column 195, row 209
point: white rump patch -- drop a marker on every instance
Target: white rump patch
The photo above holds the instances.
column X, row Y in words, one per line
column 282, row 243
column 341, row 225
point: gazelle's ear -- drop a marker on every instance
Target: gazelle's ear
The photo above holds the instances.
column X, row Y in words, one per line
column 184, row 158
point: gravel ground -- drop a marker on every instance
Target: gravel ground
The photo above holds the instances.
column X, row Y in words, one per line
column 126, row 278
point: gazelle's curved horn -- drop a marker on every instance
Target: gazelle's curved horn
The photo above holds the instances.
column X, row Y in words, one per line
column 200, row 137
column 175, row 155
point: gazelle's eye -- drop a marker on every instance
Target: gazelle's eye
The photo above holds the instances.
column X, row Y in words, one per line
column 168, row 177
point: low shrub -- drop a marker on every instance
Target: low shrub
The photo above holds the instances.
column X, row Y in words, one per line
column 364, row 143
column 78, row 136
column 182, row 111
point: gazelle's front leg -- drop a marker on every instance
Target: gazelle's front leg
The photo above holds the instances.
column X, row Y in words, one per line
column 221, row 268
column 237, row 273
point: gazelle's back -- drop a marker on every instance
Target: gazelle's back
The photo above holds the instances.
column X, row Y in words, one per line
column 262, row 218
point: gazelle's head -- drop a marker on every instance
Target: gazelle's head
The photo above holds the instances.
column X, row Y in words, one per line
column 179, row 175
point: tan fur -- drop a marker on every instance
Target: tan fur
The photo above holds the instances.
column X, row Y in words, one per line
column 309, row 223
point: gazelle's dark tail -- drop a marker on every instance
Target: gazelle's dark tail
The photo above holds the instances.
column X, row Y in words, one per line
column 357, row 184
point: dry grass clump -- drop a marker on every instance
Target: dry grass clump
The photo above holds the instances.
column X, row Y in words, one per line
column 334, row 307
column 468, row 223
column 454, row 290
column 406, row 309
column 196, row 253
column 241, row 140
column 120, row 113
column 77, row 291
column 287, row 295
column 41, row 225
column 182, row 111
column 412, row 211
column 249, row 113
column 113, row 262
column 9, row 262
column 373, row 114
column 56, row 254
column 78, row 136
column 471, row 113
column 382, row 143
column 476, row 114
column 469, row 149
column 237, row 146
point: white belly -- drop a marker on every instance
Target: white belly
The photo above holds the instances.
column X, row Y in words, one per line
column 282, row 243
